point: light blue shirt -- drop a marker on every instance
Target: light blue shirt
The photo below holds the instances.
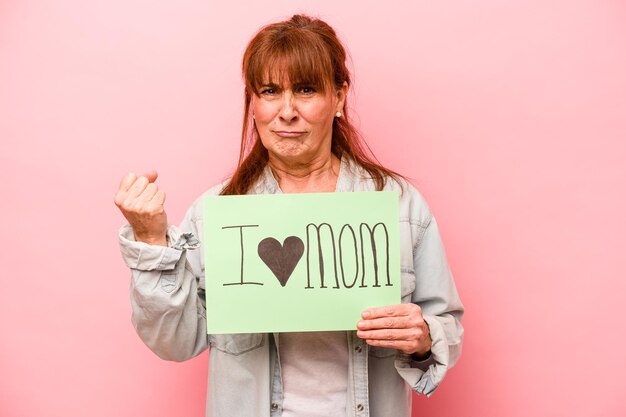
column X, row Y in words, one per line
column 168, row 304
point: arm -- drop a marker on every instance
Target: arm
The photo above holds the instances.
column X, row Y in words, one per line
column 426, row 332
column 436, row 294
column 168, row 309
column 167, row 294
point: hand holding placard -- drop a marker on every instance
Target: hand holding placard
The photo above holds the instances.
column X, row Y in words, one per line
column 399, row 326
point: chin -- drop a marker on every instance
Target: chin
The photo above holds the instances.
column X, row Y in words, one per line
column 288, row 151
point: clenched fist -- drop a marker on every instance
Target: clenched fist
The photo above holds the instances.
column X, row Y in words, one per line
column 141, row 202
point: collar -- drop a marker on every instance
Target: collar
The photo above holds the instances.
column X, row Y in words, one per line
column 267, row 183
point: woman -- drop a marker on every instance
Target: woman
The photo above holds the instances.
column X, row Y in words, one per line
column 296, row 138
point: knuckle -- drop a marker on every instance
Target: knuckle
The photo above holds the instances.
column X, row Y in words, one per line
column 154, row 209
column 144, row 210
column 389, row 322
column 126, row 206
column 136, row 207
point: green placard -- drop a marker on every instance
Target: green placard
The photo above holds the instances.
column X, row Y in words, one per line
column 299, row 262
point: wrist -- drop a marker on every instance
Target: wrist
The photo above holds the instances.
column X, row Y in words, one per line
column 152, row 240
column 421, row 356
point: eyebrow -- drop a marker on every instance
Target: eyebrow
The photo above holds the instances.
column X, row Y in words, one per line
column 305, row 84
column 294, row 85
column 273, row 86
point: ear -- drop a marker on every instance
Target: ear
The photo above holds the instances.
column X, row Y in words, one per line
column 342, row 93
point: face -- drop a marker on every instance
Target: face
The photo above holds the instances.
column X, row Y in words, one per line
column 295, row 121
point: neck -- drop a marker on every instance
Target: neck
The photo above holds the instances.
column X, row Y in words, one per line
column 319, row 175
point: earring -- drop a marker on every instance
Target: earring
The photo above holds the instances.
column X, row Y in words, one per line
column 338, row 114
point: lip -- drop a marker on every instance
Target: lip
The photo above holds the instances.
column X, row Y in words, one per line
column 289, row 133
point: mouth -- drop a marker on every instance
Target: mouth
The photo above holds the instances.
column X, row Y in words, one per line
column 289, row 133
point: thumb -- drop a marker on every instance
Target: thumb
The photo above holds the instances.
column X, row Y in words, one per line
column 151, row 175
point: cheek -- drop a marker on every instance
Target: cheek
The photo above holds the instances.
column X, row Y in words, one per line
column 264, row 113
column 316, row 114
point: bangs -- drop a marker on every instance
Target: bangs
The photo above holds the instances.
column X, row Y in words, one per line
column 291, row 57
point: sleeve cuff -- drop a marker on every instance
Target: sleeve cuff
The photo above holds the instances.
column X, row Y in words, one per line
column 425, row 376
column 423, row 364
column 145, row 257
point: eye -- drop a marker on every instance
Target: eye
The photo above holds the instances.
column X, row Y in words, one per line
column 268, row 91
column 306, row 90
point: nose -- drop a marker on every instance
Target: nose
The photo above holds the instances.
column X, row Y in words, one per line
column 288, row 112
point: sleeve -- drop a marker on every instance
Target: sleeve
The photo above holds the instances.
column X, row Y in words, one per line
column 166, row 292
column 435, row 292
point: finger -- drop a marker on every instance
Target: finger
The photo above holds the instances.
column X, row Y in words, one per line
column 401, row 322
column 127, row 181
column 137, row 188
column 122, row 192
column 148, row 193
column 159, row 198
column 391, row 334
column 406, row 346
column 387, row 311
column 151, row 175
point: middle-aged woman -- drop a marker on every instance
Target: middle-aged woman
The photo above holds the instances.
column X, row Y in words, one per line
column 296, row 138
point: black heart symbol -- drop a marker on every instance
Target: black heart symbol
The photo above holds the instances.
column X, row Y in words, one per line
column 281, row 259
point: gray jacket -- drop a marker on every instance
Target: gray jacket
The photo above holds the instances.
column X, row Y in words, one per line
column 168, row 304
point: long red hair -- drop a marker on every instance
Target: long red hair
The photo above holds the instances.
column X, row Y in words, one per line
column 305, row 51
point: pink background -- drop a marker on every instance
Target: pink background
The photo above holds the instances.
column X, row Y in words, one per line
column 509, row 116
